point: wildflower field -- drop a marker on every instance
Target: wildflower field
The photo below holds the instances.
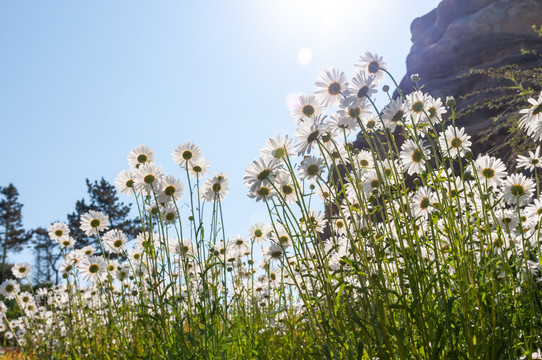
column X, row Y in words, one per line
column 410, row 248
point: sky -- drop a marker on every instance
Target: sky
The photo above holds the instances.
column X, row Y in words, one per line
column 82, row 83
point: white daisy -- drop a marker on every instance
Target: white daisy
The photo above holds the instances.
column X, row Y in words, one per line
column 198, row 168
column 258, row 232
column 93, row 222
column 58, row 230
column 169, row 189
column 262, row 171
column 66, row 242
column 307, row 107
column 10, row 289
column 331, row 85
column 531, row 121
column 215, row 188
column 454, row 142
column 125, row 182
column 414, row 156
column 93, row 268
column 435, row 109
column 285, row 186
column 115, row 241
column 531, row 162
column 148, row 176
column 311, row 168
column 307, row 135
column 21, row 270
column 518, row 189
column 140, row 155
column 393, row 114
column 372, row 64
column 278, row 147
column 490, row 170
column 416, row 107
column 422, row 202
column 361, row 88
column 185, row 154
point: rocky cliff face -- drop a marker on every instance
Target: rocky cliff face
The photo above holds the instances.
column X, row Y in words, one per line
column 461, row 35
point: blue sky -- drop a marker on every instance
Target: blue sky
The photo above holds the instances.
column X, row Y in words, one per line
column 82, row 83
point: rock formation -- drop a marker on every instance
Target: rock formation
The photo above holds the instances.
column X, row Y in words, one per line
column 461, row 35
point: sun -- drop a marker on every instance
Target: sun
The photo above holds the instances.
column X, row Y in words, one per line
column 304, row 56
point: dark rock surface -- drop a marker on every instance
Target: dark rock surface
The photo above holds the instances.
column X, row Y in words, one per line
column 460, row 35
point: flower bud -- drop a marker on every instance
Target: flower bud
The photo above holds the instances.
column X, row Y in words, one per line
column 385, row 88
column 450, row 101
column 415, row 77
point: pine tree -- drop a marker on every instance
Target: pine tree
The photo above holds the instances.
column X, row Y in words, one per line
column 13, row 237
column 103, row 197
column 47, row 254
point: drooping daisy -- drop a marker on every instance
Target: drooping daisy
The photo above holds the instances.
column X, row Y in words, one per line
column 372, row 64
column 93, row 268
column 307, row 107
column 532, row 161
column 215, row 188
column 115, row 241
column 518, row 189
column 169, row 189
column 360, row 89
column 414, row 156
column 393, row 114
column 21, row 270
column 278, row 147
column 58, row 230
column 531, row 121
column 148, row 176
column 260, row 172
column 490, row 170
column 311, row 168
column 185, row 154
column 454, row 142
column 330, row 86
column 125, row 182
column 93, row 222
column 140, row 155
